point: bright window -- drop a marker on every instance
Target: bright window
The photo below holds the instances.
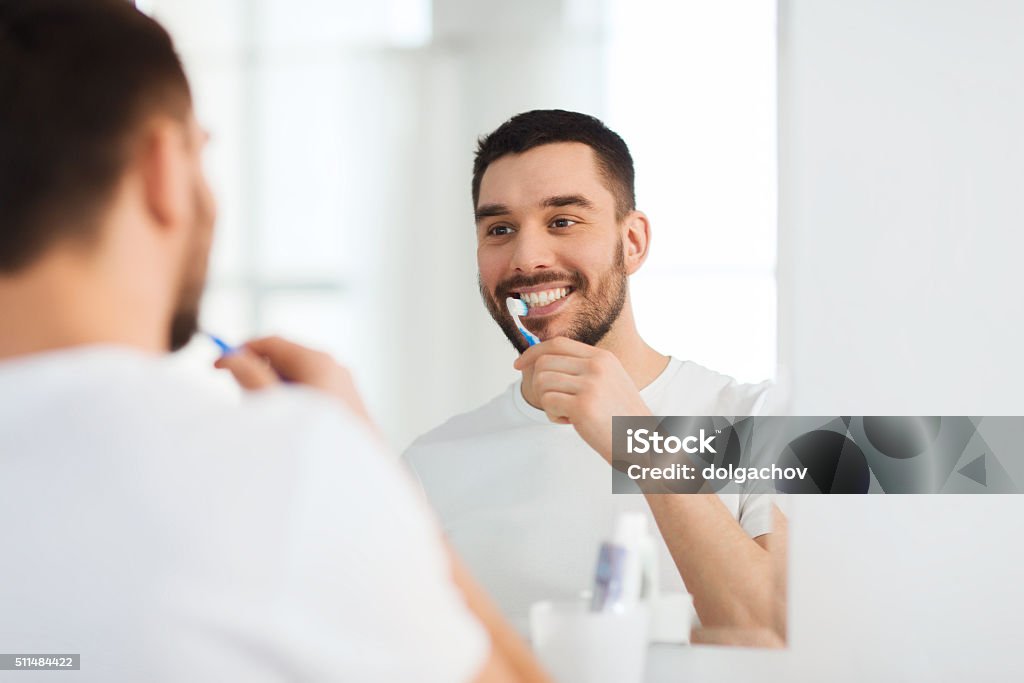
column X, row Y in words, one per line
column 691, row 88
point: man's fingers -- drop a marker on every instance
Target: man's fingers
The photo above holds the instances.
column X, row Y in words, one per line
column 548, row 380
column 266, row 361
column 249, row 370
column 569, row 365
column 557, row 406
column 562, row 346
column 290, row 360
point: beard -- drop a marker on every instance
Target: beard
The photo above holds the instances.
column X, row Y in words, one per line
column 184, row 323
column 185, row 317
column 599, row 304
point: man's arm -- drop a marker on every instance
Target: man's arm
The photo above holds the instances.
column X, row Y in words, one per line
column 737, row 582
column 511, row 660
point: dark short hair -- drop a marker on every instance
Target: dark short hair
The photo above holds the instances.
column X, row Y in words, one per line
column 546, row 126
column 77, row 78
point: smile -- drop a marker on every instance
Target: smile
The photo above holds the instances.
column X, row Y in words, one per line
column 542, row 301
column 544, row 297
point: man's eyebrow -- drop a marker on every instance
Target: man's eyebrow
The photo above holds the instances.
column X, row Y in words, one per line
column 491, row 210
column 567, row 200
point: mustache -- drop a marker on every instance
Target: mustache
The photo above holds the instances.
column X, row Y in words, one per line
column 506, row 287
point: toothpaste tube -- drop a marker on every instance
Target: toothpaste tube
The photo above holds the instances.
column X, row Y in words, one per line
column 611, row 566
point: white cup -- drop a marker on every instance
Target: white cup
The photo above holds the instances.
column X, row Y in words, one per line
column 576, row 645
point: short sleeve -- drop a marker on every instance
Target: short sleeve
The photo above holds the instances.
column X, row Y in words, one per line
column 755, row 513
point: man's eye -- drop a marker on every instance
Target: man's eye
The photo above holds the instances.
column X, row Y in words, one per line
column 500, row 230
column 562, row 223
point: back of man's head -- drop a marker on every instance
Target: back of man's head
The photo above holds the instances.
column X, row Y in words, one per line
column 77, row 79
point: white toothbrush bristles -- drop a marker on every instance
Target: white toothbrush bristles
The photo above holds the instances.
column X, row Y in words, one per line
column 516, row 306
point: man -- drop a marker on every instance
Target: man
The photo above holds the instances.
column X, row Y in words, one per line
column 159, row 532
column 522, row 484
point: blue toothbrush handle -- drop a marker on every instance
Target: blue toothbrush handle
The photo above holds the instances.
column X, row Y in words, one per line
column 224, row 347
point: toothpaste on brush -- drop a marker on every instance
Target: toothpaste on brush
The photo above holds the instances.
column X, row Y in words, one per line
column 516, row 308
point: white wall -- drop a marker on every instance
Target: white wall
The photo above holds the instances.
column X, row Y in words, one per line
column 691, row 89
column 901, row 204
column 900, row 242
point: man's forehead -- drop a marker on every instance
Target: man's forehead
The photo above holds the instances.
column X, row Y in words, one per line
column 557, row 169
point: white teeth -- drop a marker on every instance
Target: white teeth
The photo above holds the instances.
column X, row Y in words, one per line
column 544, row 298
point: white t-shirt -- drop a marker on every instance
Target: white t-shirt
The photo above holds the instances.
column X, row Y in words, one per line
column 167, row 534
column 527, row 502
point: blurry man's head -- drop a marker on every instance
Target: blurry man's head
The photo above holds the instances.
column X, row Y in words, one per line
column 557, row 224
column 96, row 127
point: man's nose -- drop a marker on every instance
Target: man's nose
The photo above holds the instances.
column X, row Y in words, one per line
column 533, row 251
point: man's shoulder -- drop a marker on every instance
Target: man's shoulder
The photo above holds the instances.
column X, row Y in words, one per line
column 154, row 397
column 721, row 393
column 495, row 415
column 292, row 410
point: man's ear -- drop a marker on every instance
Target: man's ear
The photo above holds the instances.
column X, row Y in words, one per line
column 636, row 240
column 163, row 167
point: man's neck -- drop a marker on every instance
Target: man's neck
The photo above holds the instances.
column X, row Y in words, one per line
column 63, row 302
column 640, row 361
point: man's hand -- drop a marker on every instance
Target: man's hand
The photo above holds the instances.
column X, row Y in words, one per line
column 266, row 362
column 581, row 385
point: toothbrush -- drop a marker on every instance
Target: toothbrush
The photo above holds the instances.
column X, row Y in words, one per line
column 516, row 308
column 224, row 347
